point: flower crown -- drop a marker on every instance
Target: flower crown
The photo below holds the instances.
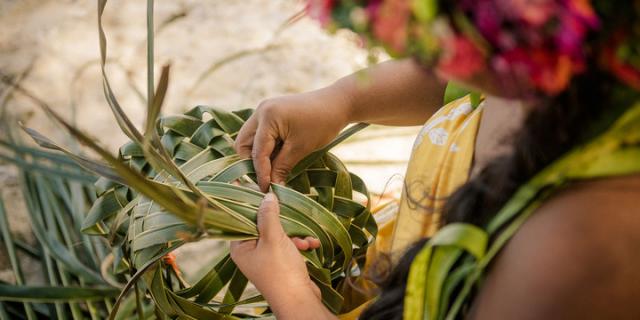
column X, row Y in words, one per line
column 542, row 42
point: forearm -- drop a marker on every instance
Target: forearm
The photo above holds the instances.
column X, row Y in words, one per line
column 398, row 92
column 298, row 305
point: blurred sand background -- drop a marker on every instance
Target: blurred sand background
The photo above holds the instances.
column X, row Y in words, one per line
column 225, row 53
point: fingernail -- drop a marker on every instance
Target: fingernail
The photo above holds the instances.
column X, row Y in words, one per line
column 269, row 197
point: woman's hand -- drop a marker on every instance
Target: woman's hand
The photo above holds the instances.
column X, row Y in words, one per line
column 284, row 130
column 274, row 265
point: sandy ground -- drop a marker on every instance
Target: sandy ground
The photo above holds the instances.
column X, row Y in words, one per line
column 56, row 44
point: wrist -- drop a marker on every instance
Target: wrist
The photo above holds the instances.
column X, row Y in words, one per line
column 295, row 303
column 344, row 105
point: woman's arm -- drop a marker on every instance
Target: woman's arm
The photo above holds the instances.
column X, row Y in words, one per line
column 284, row 130
column 299, row 304
column 398, row 92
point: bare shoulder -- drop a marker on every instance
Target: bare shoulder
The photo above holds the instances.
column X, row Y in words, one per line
column 577, row 257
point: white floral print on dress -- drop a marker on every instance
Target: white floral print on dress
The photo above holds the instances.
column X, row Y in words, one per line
column 438, row 136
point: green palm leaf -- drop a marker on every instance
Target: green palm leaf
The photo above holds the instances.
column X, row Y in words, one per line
column 57, row 192
column 180, row 180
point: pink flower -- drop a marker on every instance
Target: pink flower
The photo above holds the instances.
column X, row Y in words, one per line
column 390, row 25
column 320, row 10
column 576, row 20
column 583, row 10
column 532, row 12
column 460, row 58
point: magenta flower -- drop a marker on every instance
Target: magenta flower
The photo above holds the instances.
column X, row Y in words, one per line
column 532, row 43
column 488, row 20
column 583, row 10
column 372, row 9
column 570, row 35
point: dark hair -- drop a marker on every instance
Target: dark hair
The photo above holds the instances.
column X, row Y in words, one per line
column 551, row 128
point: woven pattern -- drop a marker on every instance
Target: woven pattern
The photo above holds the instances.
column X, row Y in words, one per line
column 321, row 199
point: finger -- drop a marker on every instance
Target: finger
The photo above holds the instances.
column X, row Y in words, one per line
column 284, row 162
column 313, row 242
column 263, row 145
column 269, row 226
column 244, row 140
column 301, row 244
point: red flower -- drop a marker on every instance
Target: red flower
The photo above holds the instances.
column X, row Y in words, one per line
column 460, row 58
column 390, row 24
column 547, row 71
column 553, row 73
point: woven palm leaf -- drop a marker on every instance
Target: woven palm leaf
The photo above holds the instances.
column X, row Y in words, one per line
column 319, row 201
column 146, row 212
column 180, row 180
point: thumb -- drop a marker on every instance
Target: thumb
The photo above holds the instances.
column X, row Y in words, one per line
column 283, row 163
column 269, row 226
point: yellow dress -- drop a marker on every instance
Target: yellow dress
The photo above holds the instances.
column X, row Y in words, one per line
column 440, row 162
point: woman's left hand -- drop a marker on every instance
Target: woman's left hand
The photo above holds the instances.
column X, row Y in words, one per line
column 274, row 265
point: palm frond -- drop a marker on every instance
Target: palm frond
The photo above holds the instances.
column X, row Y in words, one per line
column 57, row 193
column 180, row 180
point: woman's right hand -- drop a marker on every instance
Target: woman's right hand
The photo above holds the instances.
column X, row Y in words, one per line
column 284, row 130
